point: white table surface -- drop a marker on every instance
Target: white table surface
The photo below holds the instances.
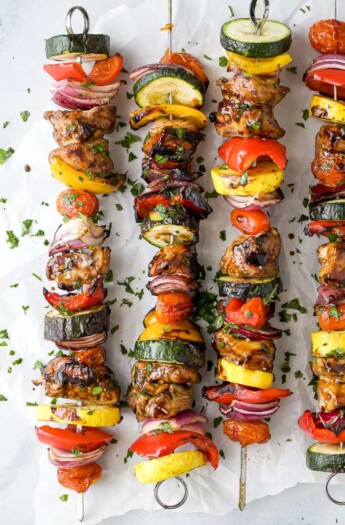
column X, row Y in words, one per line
column 302, row 504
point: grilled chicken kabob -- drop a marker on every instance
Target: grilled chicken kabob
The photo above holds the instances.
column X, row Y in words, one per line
column 171, row 349
column 327, row 214
column 249, row 270
column 78, row 322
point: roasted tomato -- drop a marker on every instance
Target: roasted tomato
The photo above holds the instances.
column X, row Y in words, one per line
column 246, row 433
column 105, row 71
column 71, row 203
column 328, row 36
column 188, row 61
column 331, row 317
column 329, row 169
column 79, row 478
column 173, row 307
column 250, row 222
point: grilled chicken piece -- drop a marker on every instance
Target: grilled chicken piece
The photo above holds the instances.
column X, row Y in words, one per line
column 92, row 156
column 331, row 256
column 330, row 395
column 329, row 368
column 76, row 127
column 159, row 400
column 250, row 353
column 330, row 138
column 144, row 372
column 178, row 259
column 253, row 256
column 90, row 357
column 69, row 377
column 81, row 265
column 253, row 89
column 175, row 141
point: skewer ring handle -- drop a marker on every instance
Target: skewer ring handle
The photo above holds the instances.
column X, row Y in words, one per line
column 329, row 479
column 179, row 503
column 258, row 25
column 69, row 20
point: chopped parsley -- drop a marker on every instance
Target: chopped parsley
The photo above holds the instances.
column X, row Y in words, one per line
column 222, row 235
column 25, row 308
column 207, row 57
column 5, row 154
column 108, row 278
column 25, row 115
column 131, row 156
column 294, row 304
column 305, row 114
column 128, row 140
column 5, row 124
column 12, row 240
column 26, row 226
column 129, row 455
column 96, row 390
column 118, row 207
column 63, row 497
column 223, row 61
column 3, row 398
column 114, row 329
column 300, row 124
column 217, row 421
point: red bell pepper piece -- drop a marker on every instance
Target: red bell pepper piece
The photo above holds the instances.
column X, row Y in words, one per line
column 331, row 317
column 239, row 154
column 325, row 228
column 229, row 392
column 93, row 295
column 67, row 438
column 66, row 70
column 315, row 430
column 164, row 443
column 253, row 312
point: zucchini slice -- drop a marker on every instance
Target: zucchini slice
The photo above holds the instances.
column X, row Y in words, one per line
column 268, row 289
column 177, row 225
column 326, row 457
column 325, row 108
column 58, row 327
column 239, row 37
column 333, row 210
column 155, row 87
column 70, row 47
column 168, row 351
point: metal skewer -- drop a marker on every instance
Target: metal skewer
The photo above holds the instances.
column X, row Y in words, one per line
column 242, row 494
column 170, row 98
column 80, row 495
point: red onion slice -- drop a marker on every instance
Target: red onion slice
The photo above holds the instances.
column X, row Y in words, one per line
column 255, row 202
column 63, row 458
column 266, row 333
column 247, row 412
column 183, row 419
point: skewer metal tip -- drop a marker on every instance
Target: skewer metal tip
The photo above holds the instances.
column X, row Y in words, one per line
column 243, row 480
column 80, row 507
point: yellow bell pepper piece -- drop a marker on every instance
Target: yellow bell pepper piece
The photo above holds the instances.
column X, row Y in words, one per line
column 78, row 180
column 258, row 67
column 328, row 343
column 184, row 330
column 264, row 178
column 159, row 469
column 89, row 416
column 150, row 318
column 228, row 371
column 141, row 117
column 325, row 108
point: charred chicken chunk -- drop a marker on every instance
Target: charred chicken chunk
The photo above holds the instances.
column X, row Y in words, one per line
column 253, row 89
column 250, row 353
column 144, row 372
column 81, row 265
column 331, row 256
column 92, row 156
column 178, row 259
column 159, row 400
column 76, row 127
column 253, row 256
column 69, row 377
column 330, row 368
column 330, row 395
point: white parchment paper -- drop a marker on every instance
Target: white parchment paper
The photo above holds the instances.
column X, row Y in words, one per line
column 134, row 30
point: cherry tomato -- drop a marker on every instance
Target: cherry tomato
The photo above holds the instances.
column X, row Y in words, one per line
column 105, row 71
column 70, row 203
column 328, row 36
column 186, row 60
column 331, row 317
column 246, row 433
column 329, row 169
column 79, row 478
column 239, row 154
column 250, row 222
column 173, row 307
